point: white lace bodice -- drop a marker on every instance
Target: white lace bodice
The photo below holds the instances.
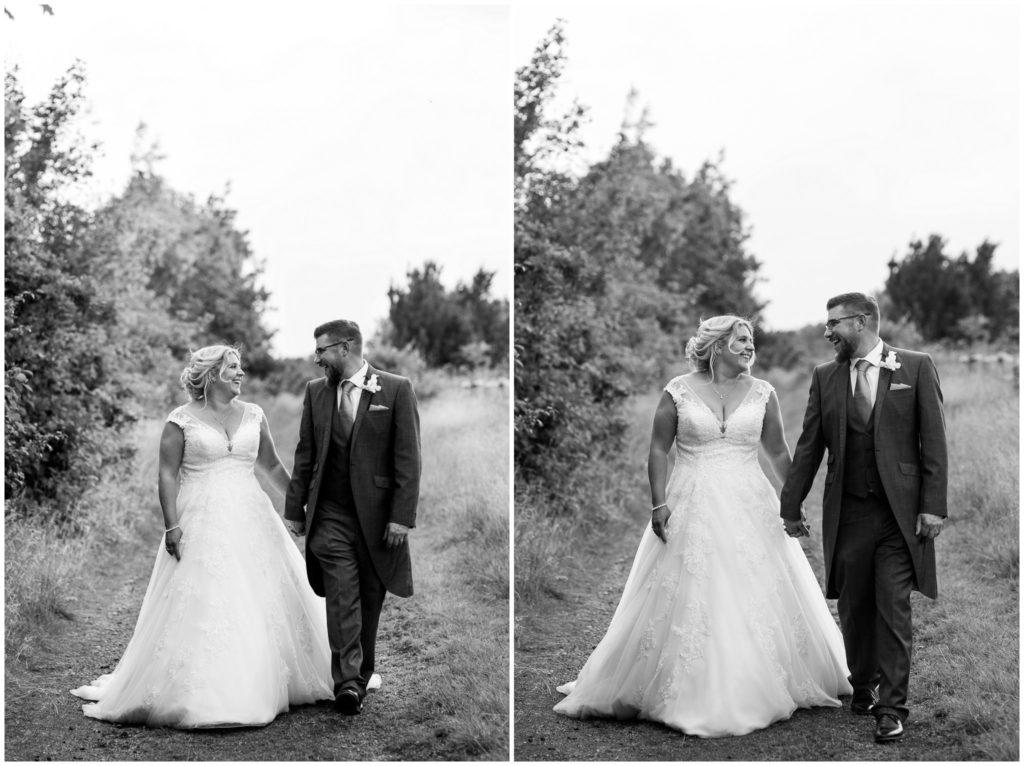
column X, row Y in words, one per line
column 702, row 437
column 206, row 447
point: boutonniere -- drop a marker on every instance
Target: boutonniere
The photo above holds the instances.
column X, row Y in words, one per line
column 890, row 362
column 372, row 385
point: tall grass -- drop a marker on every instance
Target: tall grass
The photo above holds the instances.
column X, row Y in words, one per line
column 465, row 481
column 465, row 516
column 602, row 494
column 977, row 618
column 45, row 565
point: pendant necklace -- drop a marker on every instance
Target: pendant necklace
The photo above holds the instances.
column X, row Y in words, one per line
column 224, row 426
column 722, row 397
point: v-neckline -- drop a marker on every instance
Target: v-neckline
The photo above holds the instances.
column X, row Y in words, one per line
column 229, row 438
column 721, row 421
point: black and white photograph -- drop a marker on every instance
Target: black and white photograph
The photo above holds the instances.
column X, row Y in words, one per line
column 766, row 376
column 258, row 274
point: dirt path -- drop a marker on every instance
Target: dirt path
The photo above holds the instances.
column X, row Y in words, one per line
column 554, row 639
column 44, row 722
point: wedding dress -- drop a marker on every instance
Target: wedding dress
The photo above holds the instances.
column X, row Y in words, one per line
column 232, row 634
column 722, row 629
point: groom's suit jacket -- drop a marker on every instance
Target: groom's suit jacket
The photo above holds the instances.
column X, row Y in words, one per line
column 384, row 470
column 910, row 452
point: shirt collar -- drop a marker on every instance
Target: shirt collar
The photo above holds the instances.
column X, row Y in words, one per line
column 873, row 357
column 360, row 375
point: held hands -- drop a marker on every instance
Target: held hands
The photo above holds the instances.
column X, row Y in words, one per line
column 928, row 525
column 395, row 535
column 172, row 541
column 297, row 528
column 660, row 515
column 797, row 527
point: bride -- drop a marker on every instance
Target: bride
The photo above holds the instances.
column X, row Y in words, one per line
column 230, row 633
column 721, row 628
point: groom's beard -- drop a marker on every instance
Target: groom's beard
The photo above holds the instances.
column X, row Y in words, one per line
column 333, row 376
column 844, row 350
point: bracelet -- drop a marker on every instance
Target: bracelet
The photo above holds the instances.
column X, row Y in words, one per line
column 176, row 526
column 663, row 505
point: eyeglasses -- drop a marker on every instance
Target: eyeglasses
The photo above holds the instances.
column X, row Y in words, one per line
column 319, row 350
column 831, row 324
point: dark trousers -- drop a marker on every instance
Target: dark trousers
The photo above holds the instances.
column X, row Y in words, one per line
column 875, row 574
column 354, row 593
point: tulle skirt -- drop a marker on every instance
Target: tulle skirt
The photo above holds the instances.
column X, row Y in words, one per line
column 723, row 629
column 230, row 635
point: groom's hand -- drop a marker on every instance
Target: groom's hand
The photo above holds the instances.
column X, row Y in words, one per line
column 297, row 528
column 928, row 525
column 395, row 535
column 797, row 527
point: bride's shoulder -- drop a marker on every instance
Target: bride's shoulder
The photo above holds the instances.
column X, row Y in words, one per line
column 761, row 387
column 679, row 385
column 179, row 415
column 251, row 410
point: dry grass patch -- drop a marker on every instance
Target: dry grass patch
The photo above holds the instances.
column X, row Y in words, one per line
column 44, row 565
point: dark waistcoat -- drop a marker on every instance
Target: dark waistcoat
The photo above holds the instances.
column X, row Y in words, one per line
column 860, row 470
column 335, row 484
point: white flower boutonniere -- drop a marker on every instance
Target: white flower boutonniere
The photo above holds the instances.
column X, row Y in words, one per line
column 890, row 362
column 372, row 385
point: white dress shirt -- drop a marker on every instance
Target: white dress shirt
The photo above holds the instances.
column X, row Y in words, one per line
column 356, row 391
column 874, row 359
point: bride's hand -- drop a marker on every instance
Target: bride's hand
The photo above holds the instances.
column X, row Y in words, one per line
column 659, row 521
column 172, row 541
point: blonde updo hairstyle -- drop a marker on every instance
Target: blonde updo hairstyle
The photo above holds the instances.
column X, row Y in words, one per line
column 713, row 335
column 203, row 367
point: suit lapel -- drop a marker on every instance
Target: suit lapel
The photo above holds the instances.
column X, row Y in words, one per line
column 364, row 404
column 841, row 393
column 884, row 379
column 324, row 415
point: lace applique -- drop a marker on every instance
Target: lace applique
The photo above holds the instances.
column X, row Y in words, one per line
column 801, row 635
column 647, row 640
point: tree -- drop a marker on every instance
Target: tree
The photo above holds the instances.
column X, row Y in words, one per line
column 954, row 299
column 198, row 265
column 567, row 374
column 612, row 269
column 447, row 328
column 64, row 392
column 99, row 305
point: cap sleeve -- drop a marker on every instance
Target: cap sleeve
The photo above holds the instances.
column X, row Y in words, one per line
column 762, row 391
column 677, row 389
column 179, row 417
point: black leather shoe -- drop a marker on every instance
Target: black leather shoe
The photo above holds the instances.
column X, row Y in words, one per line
column 348, row 702
column 863, row 701
column 889, row 728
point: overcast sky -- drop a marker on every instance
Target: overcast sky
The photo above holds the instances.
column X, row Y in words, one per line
column 848, row 128
column 359, row 141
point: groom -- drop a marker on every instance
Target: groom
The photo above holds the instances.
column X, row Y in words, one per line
column 353, row 493
column 878, row 410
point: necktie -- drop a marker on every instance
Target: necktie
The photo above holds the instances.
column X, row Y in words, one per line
column 862, row 394
column 346, row 410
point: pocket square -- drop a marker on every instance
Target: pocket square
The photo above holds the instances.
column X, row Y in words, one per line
column 898, row 387
column 378, row 408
